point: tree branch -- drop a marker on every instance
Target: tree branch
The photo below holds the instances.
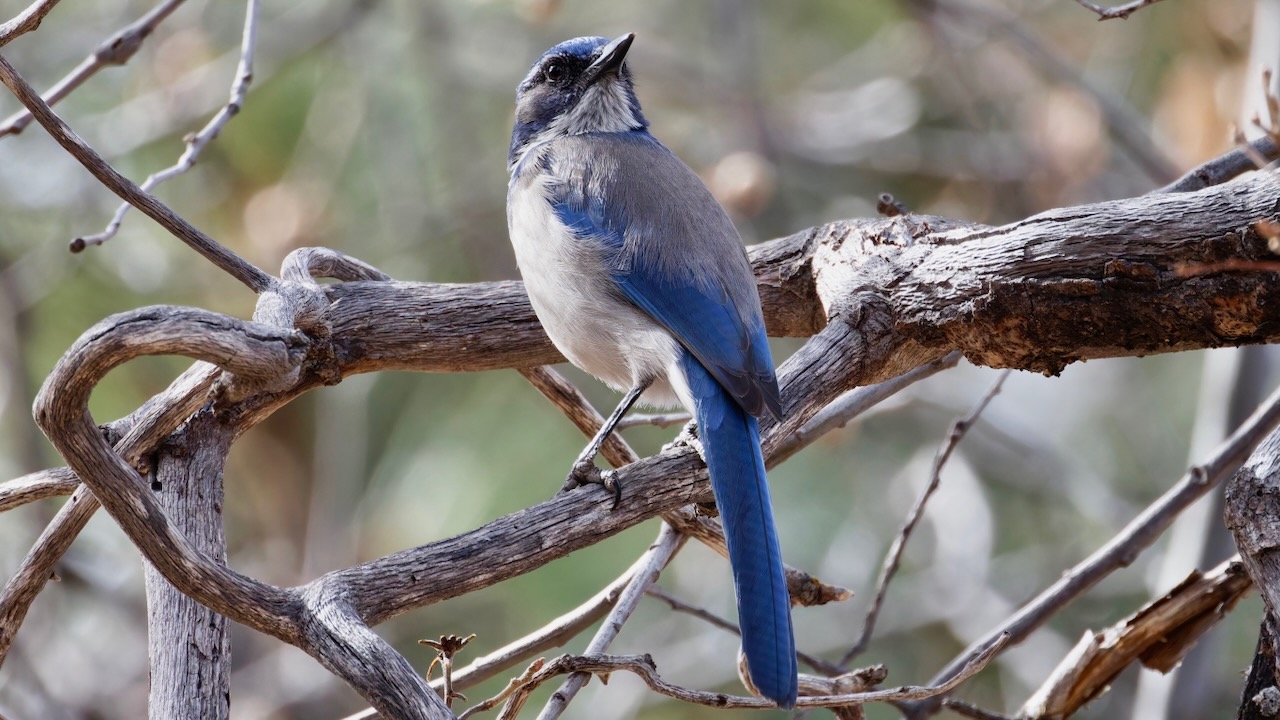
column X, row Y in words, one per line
column 1159, row 635
column 1119, row 11
column 25, row 21
column 1138, row 535
column 235, row 266
column 115, row 50
column 195, row 143
column 882, row 296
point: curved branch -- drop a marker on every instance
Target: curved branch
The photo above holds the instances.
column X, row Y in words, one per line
column 317, row 618
column 61, row 411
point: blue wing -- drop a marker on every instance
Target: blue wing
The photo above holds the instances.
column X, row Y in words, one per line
column 672, row 252
column 677, row 257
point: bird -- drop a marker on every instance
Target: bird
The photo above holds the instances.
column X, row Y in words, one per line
column 640, row 278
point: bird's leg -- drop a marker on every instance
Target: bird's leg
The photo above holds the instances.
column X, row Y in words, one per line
column 584, row 468
column 689, row 436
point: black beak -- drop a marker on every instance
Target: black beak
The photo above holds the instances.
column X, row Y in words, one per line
column 611, row 57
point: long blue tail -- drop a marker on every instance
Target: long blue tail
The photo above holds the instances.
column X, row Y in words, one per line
column 731, row 445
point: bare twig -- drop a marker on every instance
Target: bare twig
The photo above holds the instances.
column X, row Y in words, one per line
column 701, row 613
column 115, row 50
column 961, row 707
column 1227, row 166
column 642, row 666
column 446, row 647
column 25, row 21
column 854, row 403
column 1136, row 537
column 514, row 685
column 234, row 265
column 1119, row 11
column 679, row 605
column 195, row 143
column 660, row 553
column 893, row 558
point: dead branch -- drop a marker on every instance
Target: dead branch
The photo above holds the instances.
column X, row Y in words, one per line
column 115, row 50
column 1119, row 11
column 1139, row 534
column 25, row 21
column 660, row 553
column 195, row 143
column 893, row 557
column 1159, row 635
column 235, row 266
column 1251, row 514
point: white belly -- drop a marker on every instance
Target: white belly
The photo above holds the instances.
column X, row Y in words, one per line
column 579, row 305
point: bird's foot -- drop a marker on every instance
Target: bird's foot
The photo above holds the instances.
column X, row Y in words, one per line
column 688, row 436
column 586, row 473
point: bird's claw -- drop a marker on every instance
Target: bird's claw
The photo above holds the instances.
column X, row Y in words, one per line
column 586, row 473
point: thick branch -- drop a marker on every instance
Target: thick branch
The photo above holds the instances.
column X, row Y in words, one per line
column 1082, row 283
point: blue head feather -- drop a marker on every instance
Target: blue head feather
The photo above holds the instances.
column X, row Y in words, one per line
column 573, row 89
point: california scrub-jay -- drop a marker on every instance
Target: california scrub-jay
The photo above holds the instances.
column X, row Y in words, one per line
column 640, row 279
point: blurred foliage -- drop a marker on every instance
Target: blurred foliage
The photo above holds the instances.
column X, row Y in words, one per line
column 381, row 128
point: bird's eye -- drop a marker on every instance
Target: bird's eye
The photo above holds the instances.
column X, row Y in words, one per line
column 555, row 74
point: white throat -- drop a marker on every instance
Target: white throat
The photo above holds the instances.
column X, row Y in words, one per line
column 604, row 107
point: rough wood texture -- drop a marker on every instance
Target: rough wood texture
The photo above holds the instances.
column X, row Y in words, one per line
column 189, row 644
column 1159, row 635
column 1253, row 514
column 878, row 297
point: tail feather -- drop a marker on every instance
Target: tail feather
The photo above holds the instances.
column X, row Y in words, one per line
column 731, row 444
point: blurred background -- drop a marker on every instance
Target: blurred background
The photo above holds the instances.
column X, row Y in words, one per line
column 381, row 129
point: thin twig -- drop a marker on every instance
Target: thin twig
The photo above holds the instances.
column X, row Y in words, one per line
column 1227, row 166
column 115, row 50
column 1123, row 549
column 661, row 420
column 1119, row 11
column 554, row 634
column 893, row 558
column 805, row 589
column 234, row 265
column 195, row 143
column 660, row 553
column 25, row 21
column 961, row 707
column 854, row 403
column 642, row 666
column 703, row 614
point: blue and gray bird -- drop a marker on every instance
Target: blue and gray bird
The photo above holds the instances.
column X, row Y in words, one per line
column 639, row 278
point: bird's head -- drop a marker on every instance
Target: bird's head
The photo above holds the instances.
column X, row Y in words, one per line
column 579, row 86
